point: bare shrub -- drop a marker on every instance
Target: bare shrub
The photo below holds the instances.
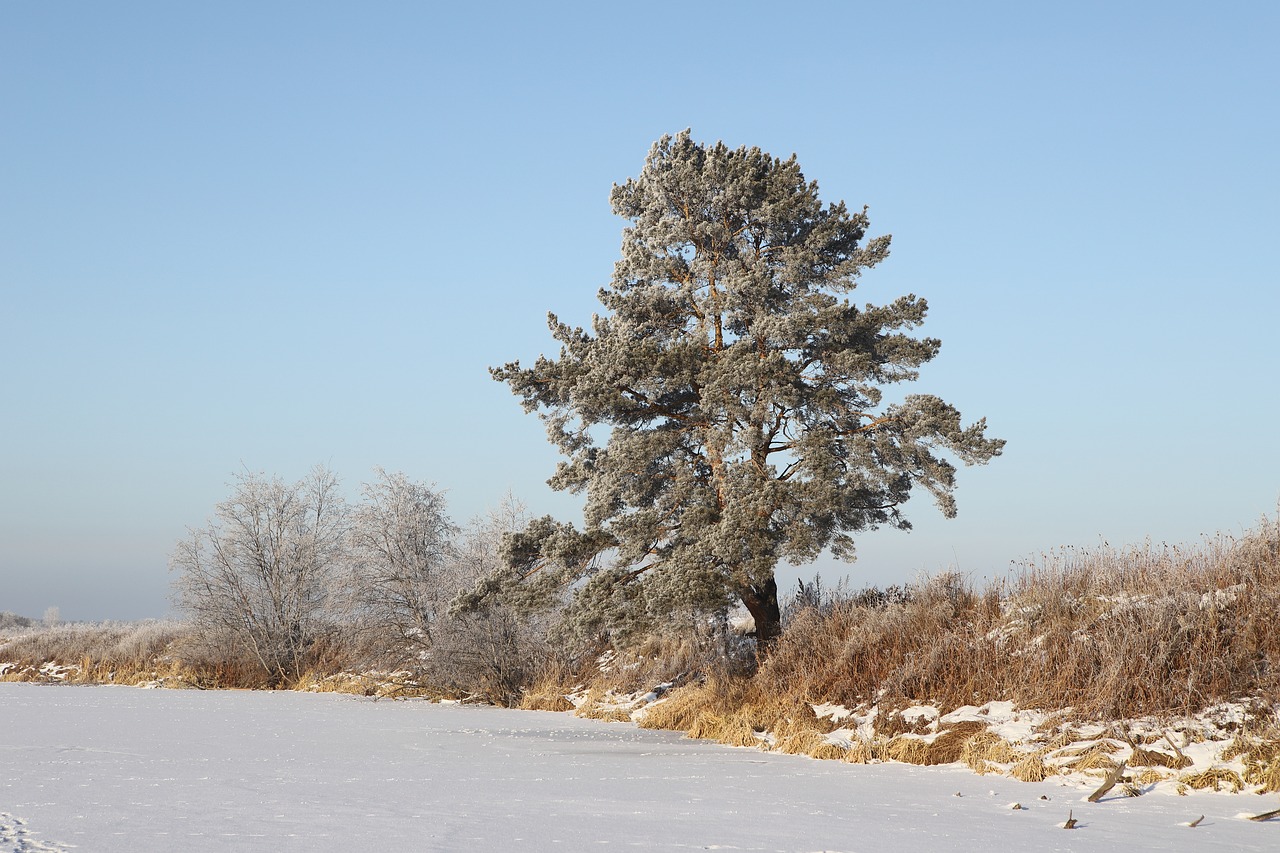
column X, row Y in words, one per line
column 492, row 655
column 401, row 543
column 496, row 652
column 263, row 577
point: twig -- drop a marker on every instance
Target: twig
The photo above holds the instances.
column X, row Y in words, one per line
column 1266, row 815
column 1176, row 750
column 1196, row 822
column 1112, row 778
column 1071, row 821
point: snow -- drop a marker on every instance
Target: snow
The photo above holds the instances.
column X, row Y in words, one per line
column 1001, row 718
column 120, row 769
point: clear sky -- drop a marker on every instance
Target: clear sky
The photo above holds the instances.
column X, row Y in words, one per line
column 266, row 235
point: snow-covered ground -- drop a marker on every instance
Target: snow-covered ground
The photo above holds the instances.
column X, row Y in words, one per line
column 123, row 769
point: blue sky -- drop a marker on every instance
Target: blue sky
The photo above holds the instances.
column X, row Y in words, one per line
column 262, row 236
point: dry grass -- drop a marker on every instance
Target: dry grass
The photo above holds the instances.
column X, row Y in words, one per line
column 868, row 751
column 1098, row 756
column 1215, row 778
column 1064, row 738
column 128, row 653
column 985, row 749
column 1031, row 768
column 1111, row 633
column 1261, row 759
column 682, row 706
column 1150, row 776
column 968, row 741
column 1142, row 757
column 736, row 731
column 802, row 743
column 907, row 749
column 383, row 685
column 828, row 751
column 548, row 694
column 600, row 708
column 949, row 745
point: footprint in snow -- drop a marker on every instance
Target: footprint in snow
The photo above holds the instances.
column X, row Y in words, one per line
column 16, row 838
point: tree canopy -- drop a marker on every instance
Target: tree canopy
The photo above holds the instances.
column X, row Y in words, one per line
column 725, row 411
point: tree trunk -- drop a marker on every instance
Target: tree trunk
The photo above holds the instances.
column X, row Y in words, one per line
column 762, row 603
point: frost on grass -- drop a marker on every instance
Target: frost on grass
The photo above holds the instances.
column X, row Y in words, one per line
column 1230, row 747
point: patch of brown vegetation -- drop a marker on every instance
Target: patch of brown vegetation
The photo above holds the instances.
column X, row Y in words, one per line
column 1096, row 756
column 950, row 743
column 1214, row 777
column 908, row 750
column 828, row 751
column 1031, row 768
column 1262, row 765
column 801, row 743
column 984, row 749
column 1113, row 633
column 893, row 723
column 545, row 697
column 1154, row 758
column 868, row 751
column 1150, row 776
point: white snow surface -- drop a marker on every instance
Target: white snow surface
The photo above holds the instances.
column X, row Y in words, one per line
column 121, row 769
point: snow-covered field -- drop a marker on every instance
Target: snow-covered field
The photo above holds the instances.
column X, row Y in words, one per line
column 123, row 769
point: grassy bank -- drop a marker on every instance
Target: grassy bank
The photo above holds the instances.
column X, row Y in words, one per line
column 1161, row 661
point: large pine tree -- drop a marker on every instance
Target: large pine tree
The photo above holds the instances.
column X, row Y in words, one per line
column 741, row 394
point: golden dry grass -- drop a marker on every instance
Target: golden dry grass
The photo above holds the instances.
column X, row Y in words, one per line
column 706, row 726
column 1142, row 757
column 1031, row 768
column 908, row 750
column 1262, row 765
column 1215, row 778
column 868, row 751
column 736, row 731
column 681, row 707
column 591, row 706
column 547, row 695
column 950, row 743
column 1112, row 633
column 800, row 742
column 602, row 711
column 984, row 749
column 828, row 751
column 1095, row 756
column 1151, row 776
column 1064, row 738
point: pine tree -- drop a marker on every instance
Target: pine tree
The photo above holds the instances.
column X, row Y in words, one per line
column 741, row 394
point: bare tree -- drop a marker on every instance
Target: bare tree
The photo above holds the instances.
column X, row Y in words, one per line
column 494, row 650
column 401, row 542
column 263, row 574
